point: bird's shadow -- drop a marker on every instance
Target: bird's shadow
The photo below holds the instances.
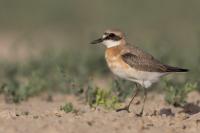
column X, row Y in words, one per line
column 191, row 108
column 188, row 108
column 166, row 111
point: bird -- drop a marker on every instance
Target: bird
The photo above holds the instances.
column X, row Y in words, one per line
column 131, row 63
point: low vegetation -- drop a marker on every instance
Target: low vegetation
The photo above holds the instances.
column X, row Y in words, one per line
column 69, row 62
column 58, row 73
column 101, row 97
column 177, row 94
column 68, row 107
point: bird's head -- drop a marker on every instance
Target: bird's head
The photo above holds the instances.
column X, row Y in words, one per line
column 111, row 38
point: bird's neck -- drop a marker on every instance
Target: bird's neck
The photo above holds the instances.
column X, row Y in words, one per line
column 114, row 51
column 112, row 43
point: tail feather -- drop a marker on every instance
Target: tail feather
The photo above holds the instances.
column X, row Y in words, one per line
column 176, row 69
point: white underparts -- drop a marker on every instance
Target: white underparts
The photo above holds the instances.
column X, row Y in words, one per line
column 145, row 79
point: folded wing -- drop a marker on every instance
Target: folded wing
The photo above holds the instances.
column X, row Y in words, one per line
column 142, row 61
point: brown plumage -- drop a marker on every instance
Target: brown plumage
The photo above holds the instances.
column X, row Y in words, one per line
column 143, row 61
column 138, row 59
column 131, row 63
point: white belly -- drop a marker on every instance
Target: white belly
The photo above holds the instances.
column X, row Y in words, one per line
column 144, row 78
column 123, row 70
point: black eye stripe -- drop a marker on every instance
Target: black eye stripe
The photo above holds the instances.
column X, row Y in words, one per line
column 113, row 37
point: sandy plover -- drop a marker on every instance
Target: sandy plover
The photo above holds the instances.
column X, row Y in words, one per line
column 131, row 63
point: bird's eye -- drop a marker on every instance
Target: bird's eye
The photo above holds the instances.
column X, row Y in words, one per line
column 111, row 35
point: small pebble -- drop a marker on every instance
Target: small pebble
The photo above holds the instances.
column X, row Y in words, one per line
column 90, row 123
column 25, row 113
column 184, row 127
column 137, row 102
column 150, row 125
column 35, row 117
column 198, row 121
column 58, row 115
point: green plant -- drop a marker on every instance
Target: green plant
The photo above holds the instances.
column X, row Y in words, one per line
column 176, row 95
column 68, row 107
column 101, row 97
column 51, row 72
column 106, row 99
column 16, row 91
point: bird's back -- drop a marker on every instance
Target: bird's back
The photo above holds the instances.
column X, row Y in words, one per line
column 144, row 61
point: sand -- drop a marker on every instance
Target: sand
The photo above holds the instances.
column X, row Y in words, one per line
column 37, row 115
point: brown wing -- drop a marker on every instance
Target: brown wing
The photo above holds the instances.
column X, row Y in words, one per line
column 143, row 61
column 143, row 64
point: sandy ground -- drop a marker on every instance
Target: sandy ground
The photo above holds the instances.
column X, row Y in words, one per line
column 39, row 116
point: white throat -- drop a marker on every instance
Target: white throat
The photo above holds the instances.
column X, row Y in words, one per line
column 111, row 43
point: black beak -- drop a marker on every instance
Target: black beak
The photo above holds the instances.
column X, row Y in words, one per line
column 97, row 41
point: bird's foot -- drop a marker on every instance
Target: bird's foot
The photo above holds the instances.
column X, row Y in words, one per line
column 139, row 114
column 126, row 108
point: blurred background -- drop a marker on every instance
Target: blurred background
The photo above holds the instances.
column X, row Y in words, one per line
column 44, row 45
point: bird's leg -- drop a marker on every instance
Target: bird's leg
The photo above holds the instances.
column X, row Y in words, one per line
column 144, row 100
column 127, row 106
